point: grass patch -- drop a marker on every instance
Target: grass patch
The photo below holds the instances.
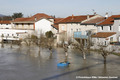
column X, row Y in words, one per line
column 118, row 54
column 97, row 50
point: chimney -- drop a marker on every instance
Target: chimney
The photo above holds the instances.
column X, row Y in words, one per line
column 106, row 15
column 72, row 16
column 88, row 16
column 35, row 19
column 95, row 13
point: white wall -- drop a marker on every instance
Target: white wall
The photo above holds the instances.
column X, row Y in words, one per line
column 102, row 41
column 43, row 25
column 5, row 26
column 70, row 28
column 10, row 33
column 105, row 29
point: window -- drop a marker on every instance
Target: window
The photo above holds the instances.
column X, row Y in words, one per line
column 76, row 29
column 110, row 28
column 79, row 29
column 16, row 24
column 111, row 39
column 105, row 42
column 119, row 28
column 101, row 27
column 28, row 24
column 22, row 24
column 63, row 28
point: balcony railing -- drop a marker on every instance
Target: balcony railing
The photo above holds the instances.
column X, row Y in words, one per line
column 79, row 35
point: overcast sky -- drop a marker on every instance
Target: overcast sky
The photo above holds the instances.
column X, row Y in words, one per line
column 60, row 8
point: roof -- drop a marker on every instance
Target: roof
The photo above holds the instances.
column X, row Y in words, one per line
column 94, row 21
column 109, row 20
column 38, row 16
column 4, row 22
column 56, row 21
column 56, row 26
column 104, row 34
column 75, row 19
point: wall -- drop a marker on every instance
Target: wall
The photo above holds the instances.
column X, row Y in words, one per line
column 5, row 26
column 116, row 28
column 55, row 31
column 102, row 41
column 105, row 29
column 12, row 34
column 43, row 26
column 23, row 26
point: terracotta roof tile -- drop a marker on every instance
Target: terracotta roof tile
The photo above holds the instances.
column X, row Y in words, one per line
column 56, row 21
column 38, row 16
column 5, row 22
column 56, row 26
column 103, row 34
column 109, row 20
column 75, row 19
column 94, row 21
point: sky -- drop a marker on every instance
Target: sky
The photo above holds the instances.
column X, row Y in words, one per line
column 60, row 8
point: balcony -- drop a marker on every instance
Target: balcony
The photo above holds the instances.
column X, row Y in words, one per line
column 80, row 35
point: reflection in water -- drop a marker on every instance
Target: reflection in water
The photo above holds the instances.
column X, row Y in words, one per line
column 19, row 64
column 104, row 70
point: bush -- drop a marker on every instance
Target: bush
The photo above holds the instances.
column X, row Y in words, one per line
column 49, row 34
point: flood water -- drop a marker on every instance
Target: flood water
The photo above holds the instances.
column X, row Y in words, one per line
column 21, row 64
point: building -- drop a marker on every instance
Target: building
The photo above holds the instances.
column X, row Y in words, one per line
column 74, row 27
column 20, row 27
column 110, row 29
column 39, row 22
column 55, row 26
column 5, row 24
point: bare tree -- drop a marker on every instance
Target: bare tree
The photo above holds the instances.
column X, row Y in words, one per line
column 50, row 44
column 104, row 51
column 50, row 41
column 40, row 42
column 29, row 41
column 65, row 44
column 82, row 48
column 11, row 44
column 2, row 43
column 85, row 47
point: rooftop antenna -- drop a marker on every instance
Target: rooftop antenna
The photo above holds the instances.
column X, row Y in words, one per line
column 94, row 12
column 111, row 13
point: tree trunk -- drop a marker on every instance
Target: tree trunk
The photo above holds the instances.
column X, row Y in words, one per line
column 84, row 56
column 2, row 44
column 39, row 53
column 11, row 45
column 50, row 55
column 105, row 60
column 66, row 56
